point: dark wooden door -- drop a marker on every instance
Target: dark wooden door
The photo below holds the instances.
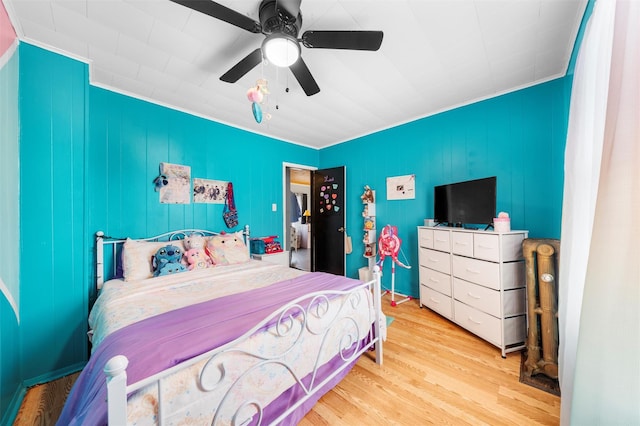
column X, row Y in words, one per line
column 328, row 220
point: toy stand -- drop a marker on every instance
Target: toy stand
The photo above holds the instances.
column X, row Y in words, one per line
column 389, row 245
column 392, row 292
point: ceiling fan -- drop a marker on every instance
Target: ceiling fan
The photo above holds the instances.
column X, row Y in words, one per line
column 280, row 22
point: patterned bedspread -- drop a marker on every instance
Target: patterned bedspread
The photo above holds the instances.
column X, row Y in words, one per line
column 156, row 308
column 122, row 303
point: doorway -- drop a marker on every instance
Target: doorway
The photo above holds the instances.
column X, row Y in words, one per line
column 314, row 218
column 297, row 217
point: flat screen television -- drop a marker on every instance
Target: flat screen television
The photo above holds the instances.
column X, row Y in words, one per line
column 469, row 202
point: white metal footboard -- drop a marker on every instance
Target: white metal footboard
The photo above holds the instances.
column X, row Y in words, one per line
column 219, row 374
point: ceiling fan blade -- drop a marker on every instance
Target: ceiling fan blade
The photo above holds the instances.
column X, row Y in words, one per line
column 223, row 13
column 303, row 75
column 353, row 40
column 288, row 9
column 248, row 63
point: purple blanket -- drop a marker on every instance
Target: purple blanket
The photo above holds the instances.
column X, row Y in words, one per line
column 159, row 342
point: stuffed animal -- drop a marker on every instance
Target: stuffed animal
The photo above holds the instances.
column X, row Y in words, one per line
column 167, row 261
column 196, row 242
column 367, row 195
column 197, row 259
column 227, row 249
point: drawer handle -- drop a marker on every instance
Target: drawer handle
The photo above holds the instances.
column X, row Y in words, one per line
column 475, row 322
column 462, row 244
column 440, row 240
column 431, row 259
column 473, row 296
column 485, row 247
column 433, row 280
column 473, row 271
column 434, row 300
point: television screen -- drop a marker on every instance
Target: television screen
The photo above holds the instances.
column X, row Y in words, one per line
column 469, row 202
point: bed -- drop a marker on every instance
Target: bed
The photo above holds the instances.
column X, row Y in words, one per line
column 238, row 342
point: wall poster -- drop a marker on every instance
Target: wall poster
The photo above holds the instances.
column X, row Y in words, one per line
column 209, row 191
column 178, row 187
column 401, row 187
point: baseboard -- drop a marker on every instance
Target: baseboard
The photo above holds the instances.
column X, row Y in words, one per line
column 9, row 416
column 54, row 375
column 11, row 413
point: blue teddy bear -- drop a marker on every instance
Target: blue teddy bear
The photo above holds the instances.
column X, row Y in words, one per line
column 167, row 261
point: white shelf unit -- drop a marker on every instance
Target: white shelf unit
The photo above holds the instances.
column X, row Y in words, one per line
column 477, row 280
column 369, row 235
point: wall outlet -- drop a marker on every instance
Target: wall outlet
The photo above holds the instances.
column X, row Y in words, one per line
column 274, row 207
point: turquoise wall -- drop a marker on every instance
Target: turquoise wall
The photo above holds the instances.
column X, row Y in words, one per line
column 53, row 273
column 88, row 160
column 518, row 137
column 10, row 373
column 129, row 138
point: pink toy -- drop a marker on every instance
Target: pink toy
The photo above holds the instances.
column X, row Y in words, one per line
column 196, row 259
column 254, row 94
column 196, row 242
column 227, row 249
column 389, row 245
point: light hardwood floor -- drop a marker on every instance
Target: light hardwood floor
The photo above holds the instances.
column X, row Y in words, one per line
column 434, row 372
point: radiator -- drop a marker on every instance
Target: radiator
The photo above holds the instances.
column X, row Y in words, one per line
column 542, row 257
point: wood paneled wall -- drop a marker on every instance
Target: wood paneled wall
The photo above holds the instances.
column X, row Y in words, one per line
column 518, row 137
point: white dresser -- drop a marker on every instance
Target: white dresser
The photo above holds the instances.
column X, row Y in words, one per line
column 476, row 279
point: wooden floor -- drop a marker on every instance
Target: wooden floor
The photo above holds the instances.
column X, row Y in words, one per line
column 434, row 372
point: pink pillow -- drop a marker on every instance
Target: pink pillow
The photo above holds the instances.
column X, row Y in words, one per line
column 227, row 249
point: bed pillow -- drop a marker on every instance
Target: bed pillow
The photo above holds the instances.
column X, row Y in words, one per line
column 227, row 249
column 137, row 257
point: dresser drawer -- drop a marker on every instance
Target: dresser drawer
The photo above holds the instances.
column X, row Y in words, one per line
column 462, row 243
column 442, row 240
column 498, row 247
column 515, row 330
column 479, row 297
column 477, row 322
column 513, row 275
column 425, row 238
column 436, row 301
column 487, row 247
column 435, row 280
column 435, row 260
column 477, row 271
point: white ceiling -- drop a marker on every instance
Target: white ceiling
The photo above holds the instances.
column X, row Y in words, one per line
column 435, row 55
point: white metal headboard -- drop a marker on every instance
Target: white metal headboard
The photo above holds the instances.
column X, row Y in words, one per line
column 112, row 245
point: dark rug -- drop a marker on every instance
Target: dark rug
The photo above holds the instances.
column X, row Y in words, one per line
column 539, row 381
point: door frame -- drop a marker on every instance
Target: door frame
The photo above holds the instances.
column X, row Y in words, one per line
column 286, row 182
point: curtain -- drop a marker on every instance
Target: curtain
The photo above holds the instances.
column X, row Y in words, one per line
column 599, row 284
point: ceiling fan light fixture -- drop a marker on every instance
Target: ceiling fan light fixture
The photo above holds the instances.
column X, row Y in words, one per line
column 282, row 50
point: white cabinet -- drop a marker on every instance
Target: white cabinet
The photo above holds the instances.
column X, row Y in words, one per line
column 477, row 280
